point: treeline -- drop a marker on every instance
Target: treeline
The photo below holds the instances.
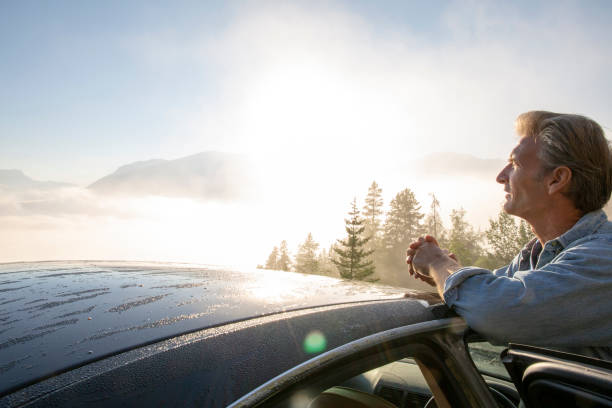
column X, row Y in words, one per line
column 374, row 248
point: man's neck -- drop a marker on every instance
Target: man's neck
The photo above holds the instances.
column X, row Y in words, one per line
column 554, row 223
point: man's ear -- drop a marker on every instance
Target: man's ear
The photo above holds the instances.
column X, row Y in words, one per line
column 560, row 179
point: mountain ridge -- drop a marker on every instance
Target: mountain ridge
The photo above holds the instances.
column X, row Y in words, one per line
column 210, row 175
column 16, row 179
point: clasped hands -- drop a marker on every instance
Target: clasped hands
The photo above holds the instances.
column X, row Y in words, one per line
column 423, row 255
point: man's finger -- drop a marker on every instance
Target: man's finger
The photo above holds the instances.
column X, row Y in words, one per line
column 430, row 238
column 416, row 244
column 427, row 280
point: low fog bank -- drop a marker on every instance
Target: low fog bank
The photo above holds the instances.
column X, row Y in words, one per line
column 221, row 208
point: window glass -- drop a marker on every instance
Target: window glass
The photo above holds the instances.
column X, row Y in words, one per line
column 400, row 382
column 487, row 359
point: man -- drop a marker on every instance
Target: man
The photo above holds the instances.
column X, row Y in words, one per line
column 557, row 292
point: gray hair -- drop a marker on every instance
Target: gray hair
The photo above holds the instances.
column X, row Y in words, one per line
column 578, row 143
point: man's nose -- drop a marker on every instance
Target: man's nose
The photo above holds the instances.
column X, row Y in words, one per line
column 502, row 177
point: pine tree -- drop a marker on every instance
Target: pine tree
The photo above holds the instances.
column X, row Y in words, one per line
column 463, row 241
column 433, row 221
column 352, row 257
column 284, row 260
column 506, row 237
column 403, row 223
column 402, row 226
column 306, row 260
column 372, row 211
column 525, row 234
column 272, row 262
column 326, row 266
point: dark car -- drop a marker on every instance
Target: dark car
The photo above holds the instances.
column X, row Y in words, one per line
column 129, row 334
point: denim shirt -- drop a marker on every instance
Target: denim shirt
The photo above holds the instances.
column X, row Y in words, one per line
column 557, row 296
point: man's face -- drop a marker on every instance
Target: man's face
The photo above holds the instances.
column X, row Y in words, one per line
column 527, row 195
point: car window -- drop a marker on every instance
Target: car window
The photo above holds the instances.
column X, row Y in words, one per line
column 487, row 359
column 398, row 382
column 403, row 383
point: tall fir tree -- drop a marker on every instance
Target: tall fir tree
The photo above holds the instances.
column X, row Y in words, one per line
column 403, row 223
column 272, row 262
column 463, row 241
column 372, row 211
column 284, row 260
column 402, row 226
column 306, row 260
column 352, row 256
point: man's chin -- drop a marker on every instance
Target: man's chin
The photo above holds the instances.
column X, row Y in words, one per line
column 508, row 207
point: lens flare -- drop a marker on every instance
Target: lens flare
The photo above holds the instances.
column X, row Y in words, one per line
column 315, row 342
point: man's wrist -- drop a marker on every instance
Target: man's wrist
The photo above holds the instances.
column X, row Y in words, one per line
column 442, row 267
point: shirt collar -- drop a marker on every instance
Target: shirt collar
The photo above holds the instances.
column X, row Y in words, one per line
column 587, row 225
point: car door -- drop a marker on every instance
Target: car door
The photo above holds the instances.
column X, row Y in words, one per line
column 437, row 346
column 546, row 378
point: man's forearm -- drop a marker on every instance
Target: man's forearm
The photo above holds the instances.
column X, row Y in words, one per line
column 442, row 269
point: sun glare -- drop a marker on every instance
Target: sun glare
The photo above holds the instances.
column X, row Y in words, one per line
column 272, row 289
column 276, row 286
column 297, row 107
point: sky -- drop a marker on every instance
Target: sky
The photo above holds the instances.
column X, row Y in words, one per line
column 319, row 97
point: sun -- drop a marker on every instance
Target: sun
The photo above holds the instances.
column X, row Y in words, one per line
column 298, row 107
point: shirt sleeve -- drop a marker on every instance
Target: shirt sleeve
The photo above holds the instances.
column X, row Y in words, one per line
column 568, row 302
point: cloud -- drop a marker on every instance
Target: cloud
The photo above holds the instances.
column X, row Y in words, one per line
column 58, row 202
column 78, row 223
column 326, row 95
column 332, row 67
column 324, row 100
column 21, row 196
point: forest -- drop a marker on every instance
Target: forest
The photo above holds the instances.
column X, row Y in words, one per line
column 374, row 247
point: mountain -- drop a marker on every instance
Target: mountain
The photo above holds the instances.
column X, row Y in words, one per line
column 17, row 180
column 208, row 175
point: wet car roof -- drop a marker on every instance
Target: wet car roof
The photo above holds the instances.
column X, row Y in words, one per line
column 57, row 315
